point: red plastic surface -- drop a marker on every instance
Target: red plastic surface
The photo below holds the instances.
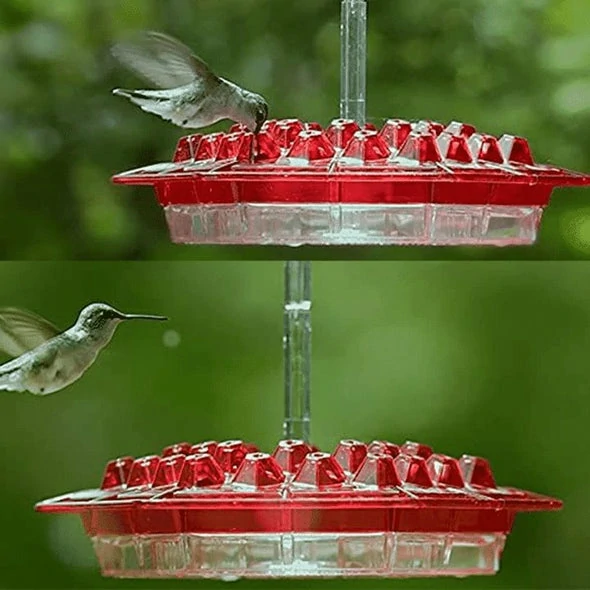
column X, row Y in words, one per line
column 402, row 163
column 232, row 488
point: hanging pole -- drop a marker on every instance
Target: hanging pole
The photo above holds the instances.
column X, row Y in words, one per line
column 297, row 309
column 297, row 351
column 353, row 93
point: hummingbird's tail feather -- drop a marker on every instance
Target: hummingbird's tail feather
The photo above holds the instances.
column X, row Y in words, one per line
column 141, row 96
column 156, row 102
column 11, row 376
column 149, row 100
column 146, row 99
column 122, row 92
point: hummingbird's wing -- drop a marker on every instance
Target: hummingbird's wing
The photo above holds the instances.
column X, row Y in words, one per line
column 164, row 61
column 21, row 331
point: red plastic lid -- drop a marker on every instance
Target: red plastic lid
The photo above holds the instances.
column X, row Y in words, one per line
column 232, row 487
column 403, row 162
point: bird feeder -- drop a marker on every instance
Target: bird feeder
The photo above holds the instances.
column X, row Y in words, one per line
column 228, row 511
column 407, row 183
column 420, row 183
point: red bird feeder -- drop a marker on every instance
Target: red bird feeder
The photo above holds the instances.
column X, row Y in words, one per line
column 228, row 511
column 408, row 183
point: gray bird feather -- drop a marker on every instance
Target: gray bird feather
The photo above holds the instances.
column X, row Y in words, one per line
column 21, row 331
column 164, row 61
column 190, row 94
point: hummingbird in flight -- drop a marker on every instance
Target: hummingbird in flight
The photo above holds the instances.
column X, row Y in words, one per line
column 48, row 359
column 189, row 93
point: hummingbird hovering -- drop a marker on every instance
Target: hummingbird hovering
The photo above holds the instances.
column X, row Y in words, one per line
column 191, row 95
column 49, row 360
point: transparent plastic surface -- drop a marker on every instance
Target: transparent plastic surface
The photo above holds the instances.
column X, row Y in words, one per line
column 232, row 557
column 227, row 510
column 408, row 183
column 297, row 350
column 354, row 60
column 377, row 225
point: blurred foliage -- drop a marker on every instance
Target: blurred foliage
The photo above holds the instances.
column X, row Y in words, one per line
column 480, row 358
column 518, row 67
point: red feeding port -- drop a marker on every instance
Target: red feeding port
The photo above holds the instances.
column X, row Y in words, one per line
column 228, row 511
column 295, row 183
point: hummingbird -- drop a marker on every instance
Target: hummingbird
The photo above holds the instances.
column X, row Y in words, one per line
column 48, row 359
column 190, row 94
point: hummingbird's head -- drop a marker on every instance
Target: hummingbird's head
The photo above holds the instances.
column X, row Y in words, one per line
column 256, row 112
column 102, row 317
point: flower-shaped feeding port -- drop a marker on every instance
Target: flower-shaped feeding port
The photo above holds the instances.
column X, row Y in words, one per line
column 228, row 511
column 420, row 183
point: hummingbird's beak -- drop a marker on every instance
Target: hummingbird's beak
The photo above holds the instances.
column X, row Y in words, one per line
column 155, row 318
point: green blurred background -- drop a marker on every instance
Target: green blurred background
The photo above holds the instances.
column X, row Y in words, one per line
column 520, row 67
column 481, row 358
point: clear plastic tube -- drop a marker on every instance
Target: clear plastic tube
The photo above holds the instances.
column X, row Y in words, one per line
column 297, row 311
column 354, row 60
column 297, row 351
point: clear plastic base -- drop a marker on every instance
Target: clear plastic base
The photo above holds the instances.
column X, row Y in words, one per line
column 229, row 557
column 343, row 224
